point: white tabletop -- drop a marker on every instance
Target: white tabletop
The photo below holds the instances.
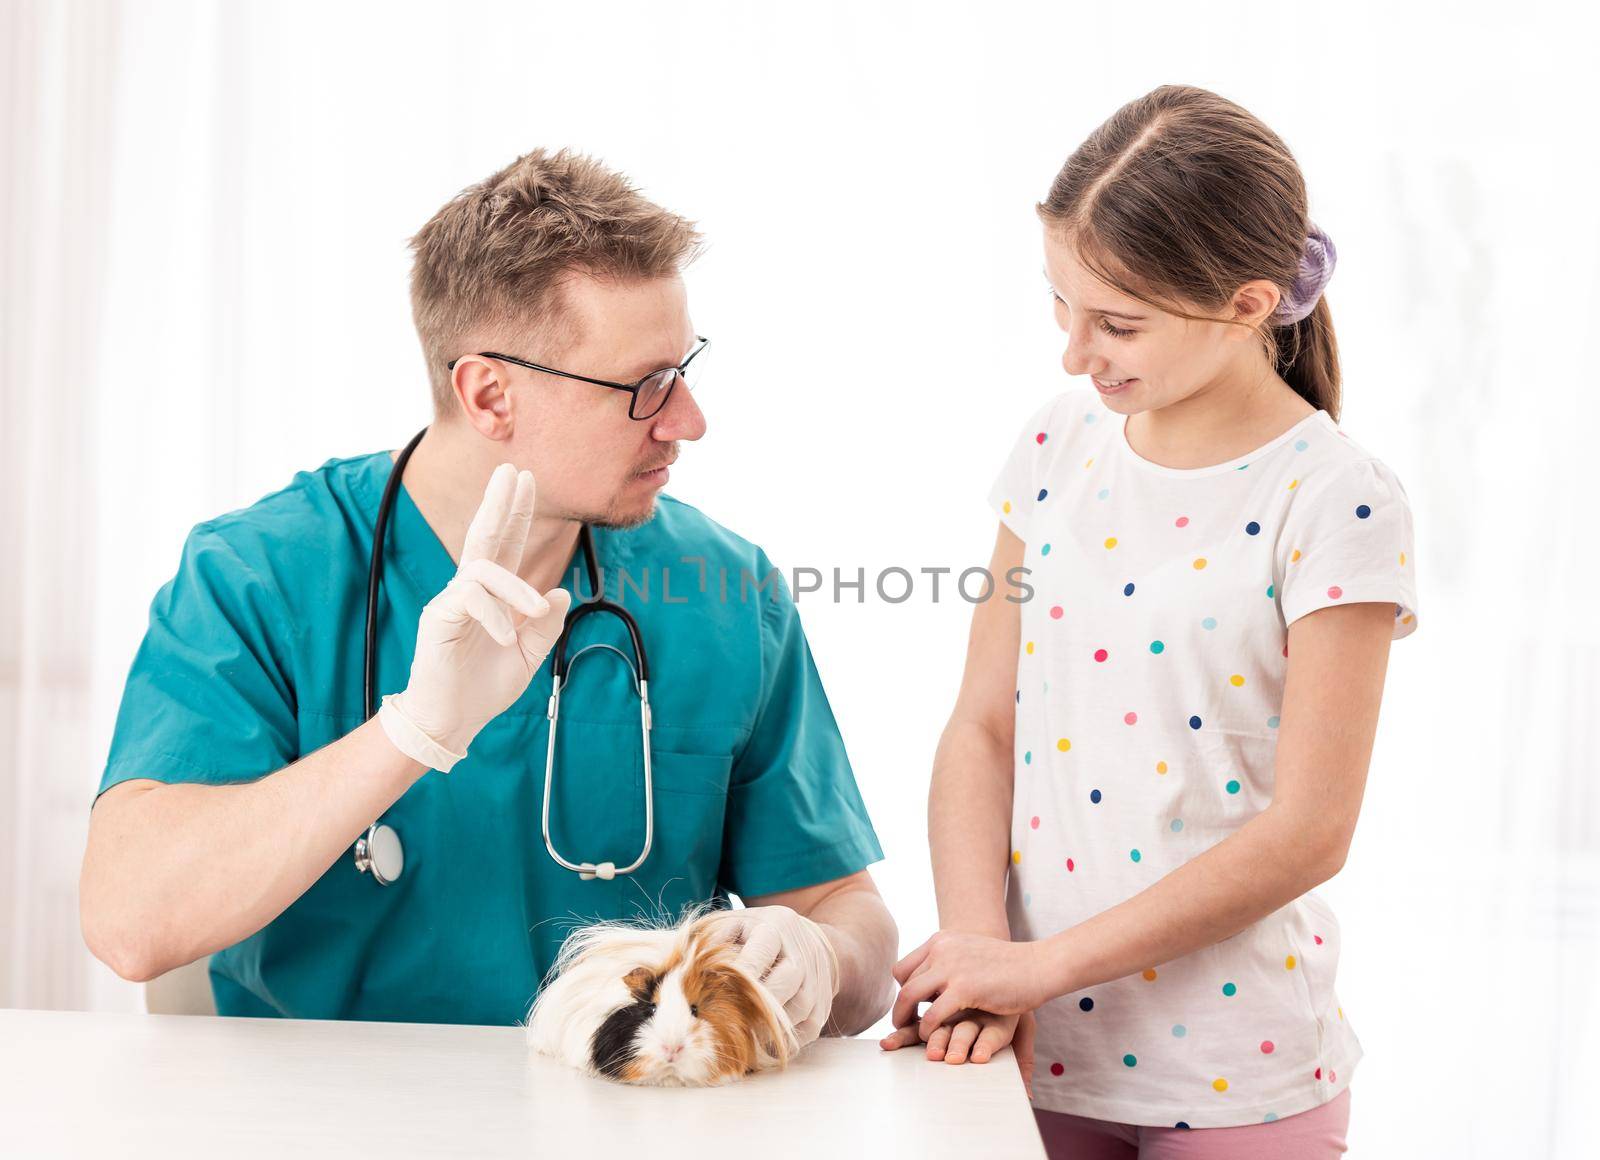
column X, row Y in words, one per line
column 79, row 1084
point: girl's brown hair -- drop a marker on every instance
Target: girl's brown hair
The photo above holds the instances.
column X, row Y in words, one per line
column 1179, row 198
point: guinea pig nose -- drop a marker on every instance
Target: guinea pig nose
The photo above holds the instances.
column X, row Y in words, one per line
column 671, row 1050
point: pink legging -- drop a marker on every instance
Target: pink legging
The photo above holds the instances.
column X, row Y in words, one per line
column 1317, row 1134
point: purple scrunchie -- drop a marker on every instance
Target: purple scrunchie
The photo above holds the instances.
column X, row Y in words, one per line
column 1316, row 267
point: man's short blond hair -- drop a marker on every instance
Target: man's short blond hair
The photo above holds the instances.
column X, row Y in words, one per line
column 489, row 265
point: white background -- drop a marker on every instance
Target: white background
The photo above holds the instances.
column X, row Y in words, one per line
column 204, row 290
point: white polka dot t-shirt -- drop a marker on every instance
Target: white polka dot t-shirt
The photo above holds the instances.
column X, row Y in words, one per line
column 1149, row 682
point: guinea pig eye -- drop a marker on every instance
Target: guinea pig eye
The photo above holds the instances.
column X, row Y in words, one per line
column 694, row 1010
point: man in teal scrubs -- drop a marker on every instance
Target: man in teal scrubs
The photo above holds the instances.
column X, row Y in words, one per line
column 243, row 767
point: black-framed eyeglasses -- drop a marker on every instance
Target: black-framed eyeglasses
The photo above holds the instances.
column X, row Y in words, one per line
column 650, row 393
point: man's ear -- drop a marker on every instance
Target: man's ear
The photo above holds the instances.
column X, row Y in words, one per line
column 480, row 389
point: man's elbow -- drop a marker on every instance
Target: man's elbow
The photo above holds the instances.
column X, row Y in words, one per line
column 120, row 941
column 126, row 954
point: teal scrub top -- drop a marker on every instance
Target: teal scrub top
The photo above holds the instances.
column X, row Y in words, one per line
column 253, row 659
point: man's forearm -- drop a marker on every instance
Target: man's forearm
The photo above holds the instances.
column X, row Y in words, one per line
column 969, row 829
column 175, row 872
column 865, row 938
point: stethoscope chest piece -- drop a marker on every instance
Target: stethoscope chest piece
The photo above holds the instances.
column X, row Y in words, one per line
column 380, row 854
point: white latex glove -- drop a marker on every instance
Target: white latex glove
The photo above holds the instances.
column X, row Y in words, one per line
column 792, row 957
column 479, row 641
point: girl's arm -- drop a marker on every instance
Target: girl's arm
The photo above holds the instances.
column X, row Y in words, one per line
column 969, row 808
column 1338, row 657
column 1337, row 661
column 969, row 798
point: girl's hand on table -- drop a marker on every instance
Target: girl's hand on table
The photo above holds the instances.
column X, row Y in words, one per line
column 956, row 971
column 976, row 1035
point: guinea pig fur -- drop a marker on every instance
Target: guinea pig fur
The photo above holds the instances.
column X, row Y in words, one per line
column 661, row 1007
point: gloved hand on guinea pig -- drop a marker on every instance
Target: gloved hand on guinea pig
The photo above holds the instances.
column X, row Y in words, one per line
column 792, row 957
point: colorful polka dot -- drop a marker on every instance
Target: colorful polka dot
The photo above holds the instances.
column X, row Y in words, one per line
column 1182, row 1124
column 1200, row 564
column 1220, row 1085
column 1100, row 655
column 1288, row 963
column 1056, row 1069
column 1016, row 857
column 1233, row 786
column 1270, row 589
column 1149, row 974
column 1111, row 542
column 1006, row 507
column 1044, row 549
column 1130, row 718
column 1252, row 528
column 1104, row 493
column 1229, row 990
column 1402, row 559
column 1034, row 822
column 1158, row 647
column 1041, row 437
column 1177, row 825
column 1130, row 1061
column 1135, row 855
column 1089, row 463
column 1127, row 589
column 1063, row 745
column 1363, row 512
column 1336, row 592
column 1209, row 623
column 1086, row 1004
column 1183, row 521
column 1236, row 681
column 1266, row 1047
column 1043, row 491
column 1161, row 767
column 1272, row 722
column 1057, row 612
column 1269, row 1117
column 1301, row 445
column 1179, row 1031
column 1029, row 648
column 1027, row 758
column 1094, row 796
column 1070, row 866
column 1195, row 722
column 1294, row 557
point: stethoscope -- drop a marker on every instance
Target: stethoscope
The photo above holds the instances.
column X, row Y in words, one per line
column 379, row 851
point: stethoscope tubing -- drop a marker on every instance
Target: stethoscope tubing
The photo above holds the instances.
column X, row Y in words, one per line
column 366, row 856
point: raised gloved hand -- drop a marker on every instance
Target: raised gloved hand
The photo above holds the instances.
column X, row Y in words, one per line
column 792, row 956
column 481, row 639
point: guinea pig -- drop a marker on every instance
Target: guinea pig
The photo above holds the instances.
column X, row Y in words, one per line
column 661, row 1007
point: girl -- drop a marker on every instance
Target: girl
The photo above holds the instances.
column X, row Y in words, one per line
column 1174, row 729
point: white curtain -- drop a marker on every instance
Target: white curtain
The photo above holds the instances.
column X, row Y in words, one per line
column 204, row 213
column 54, row 215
